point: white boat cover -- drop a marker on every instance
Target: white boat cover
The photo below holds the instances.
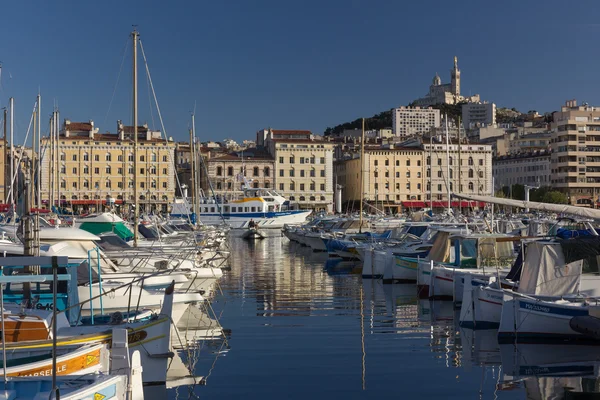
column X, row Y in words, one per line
column 545, row 272
column 556, row 208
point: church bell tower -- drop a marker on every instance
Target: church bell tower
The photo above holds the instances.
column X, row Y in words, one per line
column 455, row 75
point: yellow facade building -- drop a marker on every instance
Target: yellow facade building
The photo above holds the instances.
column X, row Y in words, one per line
column 95, row 168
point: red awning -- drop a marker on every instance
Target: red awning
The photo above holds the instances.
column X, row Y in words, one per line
column 40, row 210
column 462, row 204
column 413, row 204
column 89, row 202
column 4, row 207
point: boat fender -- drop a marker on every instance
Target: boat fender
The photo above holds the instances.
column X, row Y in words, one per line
column 586, row 325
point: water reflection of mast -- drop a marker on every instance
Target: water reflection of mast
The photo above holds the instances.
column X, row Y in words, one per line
column 362, row 338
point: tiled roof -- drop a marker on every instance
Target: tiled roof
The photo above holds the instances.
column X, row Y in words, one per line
column 301, row 141
column 79, row 126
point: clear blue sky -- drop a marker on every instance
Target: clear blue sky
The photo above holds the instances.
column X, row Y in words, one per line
column 292, row 64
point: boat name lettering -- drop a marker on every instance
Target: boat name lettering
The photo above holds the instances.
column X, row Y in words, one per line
column 48, row 372
column 535, row 307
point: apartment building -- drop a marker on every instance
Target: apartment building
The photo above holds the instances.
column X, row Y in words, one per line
column 303, row 166
column 526, row 168
column 410, row 121
column 478, row 114
column 575, row 160
column 98, row 168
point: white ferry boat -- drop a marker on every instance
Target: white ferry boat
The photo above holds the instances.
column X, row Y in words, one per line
column 266, row 207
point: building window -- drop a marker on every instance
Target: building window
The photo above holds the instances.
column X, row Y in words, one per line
column 142, row 171
column 86, row 170
column 108, row 157
column 408, row 163
column 439, row 161
column 120, row 185
column 229, row 171
column 130, row 170
column 165, row 158
column 280, row 160
column 63, row 157
column 130, row 158
column 74, row 171
column 376, row 186
column 302, row 160
column 322, row 160
column 96, row 157
column 164, row 171
column 291, row 160
column 281, row 186
column 418, row 174
column 312, row 173
column 418, row 186
column 120, row 157
column 63, row 184
column 322, row 173
column 471, row 186
column 481, row 162
column 153, row 170
column 481, row 174
column 375, row 163
column 387, row 174
column 450, row 160
column 86, row 157
column 267, row 185
column 439, row 188
column 292, row 172
column 470, row 173
column 142, row 158
column 408, row 186
column 108, row 170
column 219, row 171
column 218, row 185
column 153, row 184
column 281, row 172
column 164, row 185
column 86, row 184
column 312, row 160
column 428, row 160
column 108, row 184
column 376, row 174
column 97, row 170
column 130, row 184
column 470, row 160
column 74, row 185
column 153, row 156
column 267, row 171
column 322, row 187
column 255, row 171
column 312, row 186
column 418, row 163
column 142, row 185
column 439, row 174
column 302, row 187
column 408, row 174
column 74, row 157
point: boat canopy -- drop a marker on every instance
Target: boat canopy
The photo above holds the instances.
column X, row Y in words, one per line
column 103, row 227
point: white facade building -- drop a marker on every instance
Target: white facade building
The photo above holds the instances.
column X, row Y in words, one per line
column 409, row 121
column 531, row 169
column 482, row 114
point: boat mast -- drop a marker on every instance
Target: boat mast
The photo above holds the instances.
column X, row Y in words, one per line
column 37, row 152
column 11, row 101
column 448, row 166
column 431, row 171
column 136, row 213
column 51, row 164
column 194, row 169
column 4, row 150
column 362, row 156
column 57, row 168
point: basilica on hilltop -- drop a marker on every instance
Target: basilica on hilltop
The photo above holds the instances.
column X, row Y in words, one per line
column 447, row 93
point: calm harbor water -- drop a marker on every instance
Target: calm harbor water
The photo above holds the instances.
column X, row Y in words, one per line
column 301, row 325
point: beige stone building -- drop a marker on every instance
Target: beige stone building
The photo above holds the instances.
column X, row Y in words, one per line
column 391, row 175
column 97, row 167
column 303, row 166
column 575, row 160
column 415, row 176
column 227, row 172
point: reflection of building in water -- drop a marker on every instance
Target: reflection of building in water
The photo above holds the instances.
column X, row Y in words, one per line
column 286, row 282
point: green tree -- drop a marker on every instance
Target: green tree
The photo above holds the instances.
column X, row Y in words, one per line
column 556, row 197
column 518, row 191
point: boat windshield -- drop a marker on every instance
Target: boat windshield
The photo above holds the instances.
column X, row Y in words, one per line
column 111, row 242
column 147, row 232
